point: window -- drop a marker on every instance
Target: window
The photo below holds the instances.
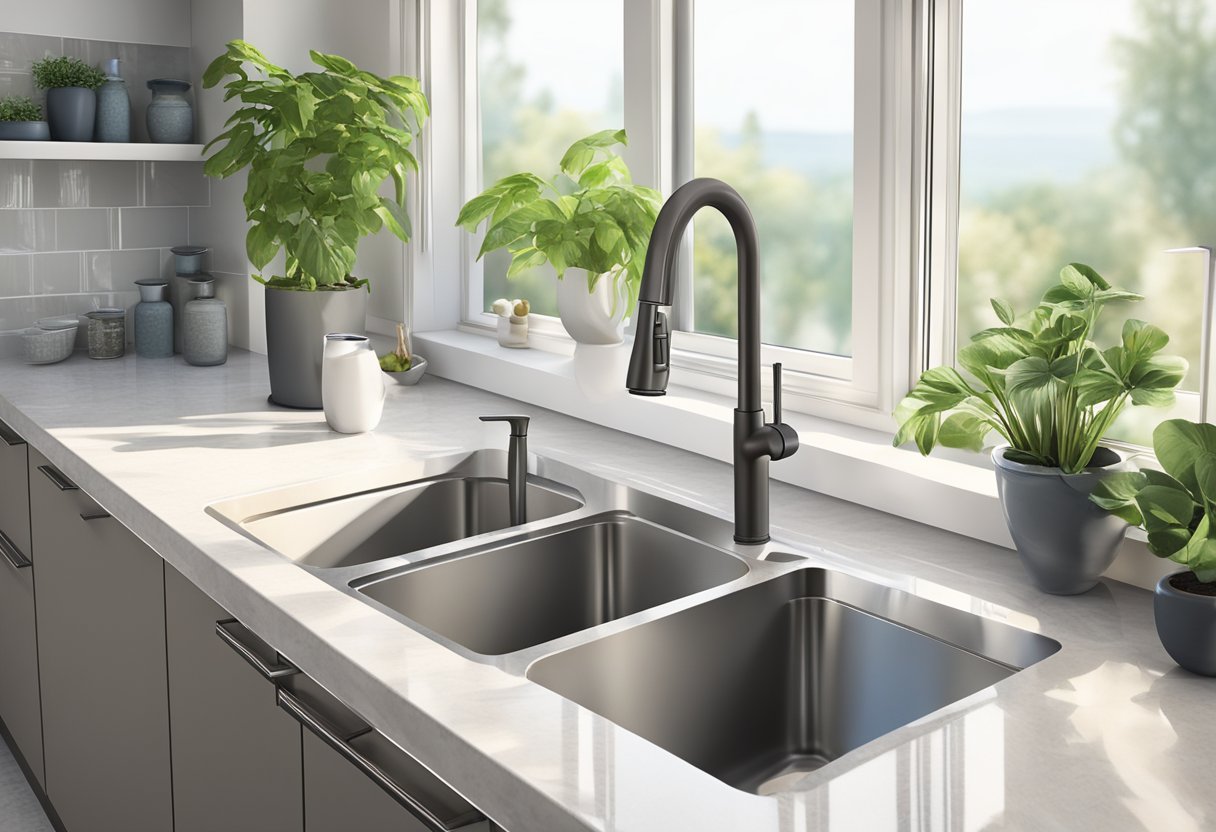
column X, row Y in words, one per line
column 540, row 88
column 1088, row 139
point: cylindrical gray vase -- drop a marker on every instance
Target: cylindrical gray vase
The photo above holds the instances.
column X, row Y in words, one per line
column 170, row 115
column 153, row 320
column 71, row 112
column 1064, row 540
column 1186, row 622
column 113, row 106
column 296, row 325
column 183, row 289
column 205, row 342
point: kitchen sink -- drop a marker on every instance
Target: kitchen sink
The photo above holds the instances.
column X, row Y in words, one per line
column 763, row 685
column 528, row 591
column 380, row 514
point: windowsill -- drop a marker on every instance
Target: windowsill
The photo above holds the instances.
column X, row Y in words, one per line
column 844, row 461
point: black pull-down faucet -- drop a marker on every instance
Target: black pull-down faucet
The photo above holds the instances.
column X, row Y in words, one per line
column 649, row 365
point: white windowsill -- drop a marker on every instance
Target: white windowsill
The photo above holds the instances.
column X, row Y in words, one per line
column 851, row 463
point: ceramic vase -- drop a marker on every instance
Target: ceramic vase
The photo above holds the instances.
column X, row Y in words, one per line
column 113, row 106
column 205, row 341
column 170, row 115
column 1065, row 541
column 153, row 320
column 352, row 384
column 592, row 317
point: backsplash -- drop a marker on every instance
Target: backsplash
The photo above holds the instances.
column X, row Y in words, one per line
column 77, row 235
column 140, row 63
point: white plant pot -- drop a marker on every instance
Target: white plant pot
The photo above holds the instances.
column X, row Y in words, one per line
column 592, row 317
column 352, row 384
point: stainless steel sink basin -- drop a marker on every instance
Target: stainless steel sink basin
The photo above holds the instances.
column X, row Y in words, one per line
column 765, row 684
column 525, row 592
column 376, row 515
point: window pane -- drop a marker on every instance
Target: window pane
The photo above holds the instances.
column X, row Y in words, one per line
column 540, row 88
column 1086, row 136
column 774, row 118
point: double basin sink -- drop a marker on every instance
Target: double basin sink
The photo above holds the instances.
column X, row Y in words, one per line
column 755, row 664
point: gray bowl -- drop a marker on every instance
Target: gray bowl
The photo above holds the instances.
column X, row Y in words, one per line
column 413, row 375
column 47, row 346
column 25, row 131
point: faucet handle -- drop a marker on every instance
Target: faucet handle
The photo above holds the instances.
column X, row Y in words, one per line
column 777, row 393
column 519, row 424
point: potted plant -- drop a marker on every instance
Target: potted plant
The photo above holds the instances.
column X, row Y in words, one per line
column 318, row 146
column 1177, row 508
column 1041, row 383
column 21, row 120
column 71, row 97
column 590, row 222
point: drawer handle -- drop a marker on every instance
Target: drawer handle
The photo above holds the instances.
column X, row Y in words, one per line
column 9, row 437
column 96, row 515
column 316, row 723
column 61, row 482
column 12, row 554
column 279, row 670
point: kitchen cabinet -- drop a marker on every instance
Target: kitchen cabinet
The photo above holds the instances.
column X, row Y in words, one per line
column 101, row 650
column 20, row 708
column 236, row 757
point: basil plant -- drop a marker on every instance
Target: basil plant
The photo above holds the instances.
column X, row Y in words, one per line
column 588, row 216
column 318, row 147
column 1176, row 506
column 1039, row 380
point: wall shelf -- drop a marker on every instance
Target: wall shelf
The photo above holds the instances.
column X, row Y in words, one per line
column 113, row 151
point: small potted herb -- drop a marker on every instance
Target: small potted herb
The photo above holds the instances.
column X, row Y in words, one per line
column 1177, row 508
column 71, row 97
column 1040, row 382
column 21, row 120
column 590, row 222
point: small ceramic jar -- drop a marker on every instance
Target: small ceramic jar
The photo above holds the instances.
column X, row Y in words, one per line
column 183, row 289
column 513, row 331
column 107, row 333
column 205, row 341
column 170, row 115
column 153, row 320
column 188, row 259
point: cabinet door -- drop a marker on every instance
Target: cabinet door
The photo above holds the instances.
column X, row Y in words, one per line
column 236, row 757
column 19, row 702
column 101, row 646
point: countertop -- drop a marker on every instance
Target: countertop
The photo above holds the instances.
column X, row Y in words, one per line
column 1105, row 734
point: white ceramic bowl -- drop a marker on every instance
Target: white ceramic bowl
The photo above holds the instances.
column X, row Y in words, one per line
column 413, row 375
column 47, row 346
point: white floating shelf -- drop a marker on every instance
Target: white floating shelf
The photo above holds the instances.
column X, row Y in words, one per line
column 113, row 151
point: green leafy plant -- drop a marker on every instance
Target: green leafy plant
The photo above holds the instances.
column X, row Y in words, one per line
column 66, row 71
column 1177, row 506
column 588, row 216
column 318, row 147
column 1039, row 380
column 19, row 108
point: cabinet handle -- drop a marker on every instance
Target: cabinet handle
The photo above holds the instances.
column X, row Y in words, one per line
column 316, row 723
column 61, row 482
column 279, row 670
column 96, row 515
column 9, row 437
column 12, row 554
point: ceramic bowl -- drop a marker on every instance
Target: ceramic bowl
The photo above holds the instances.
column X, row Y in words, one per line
column 47, row 346
column 413, row 375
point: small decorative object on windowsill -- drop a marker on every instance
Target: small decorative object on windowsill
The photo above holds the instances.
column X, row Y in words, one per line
column 204, row 325
column 153, row 320
column 170, row 116
column 1175, row 507
column 352, row 383
column 1039, row 381
column 107, row 333
column 593, row 228
column 113, row 106
column 512, row 322
column 403, row 365
column 71, row 97
column 21, row 120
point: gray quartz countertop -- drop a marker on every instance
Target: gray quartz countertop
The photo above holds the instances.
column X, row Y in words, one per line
column 1105, row 734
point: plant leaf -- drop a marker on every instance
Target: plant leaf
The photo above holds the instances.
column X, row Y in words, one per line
column 1004, row 312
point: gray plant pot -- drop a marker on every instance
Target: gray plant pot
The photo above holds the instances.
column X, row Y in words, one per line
column 24, row 131
column 296, row 325
column 1186, row 624
column 1064, row 540
column 71, row 112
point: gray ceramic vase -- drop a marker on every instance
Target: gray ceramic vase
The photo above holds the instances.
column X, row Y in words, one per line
column 24, row 131
column 1186, row 624
column 113, row 106
column 1064, row 540
column 296, row 325
column 170, row 115
column 71, row 112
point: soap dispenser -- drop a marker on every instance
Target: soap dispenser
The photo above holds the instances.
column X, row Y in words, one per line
column 113, row 106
